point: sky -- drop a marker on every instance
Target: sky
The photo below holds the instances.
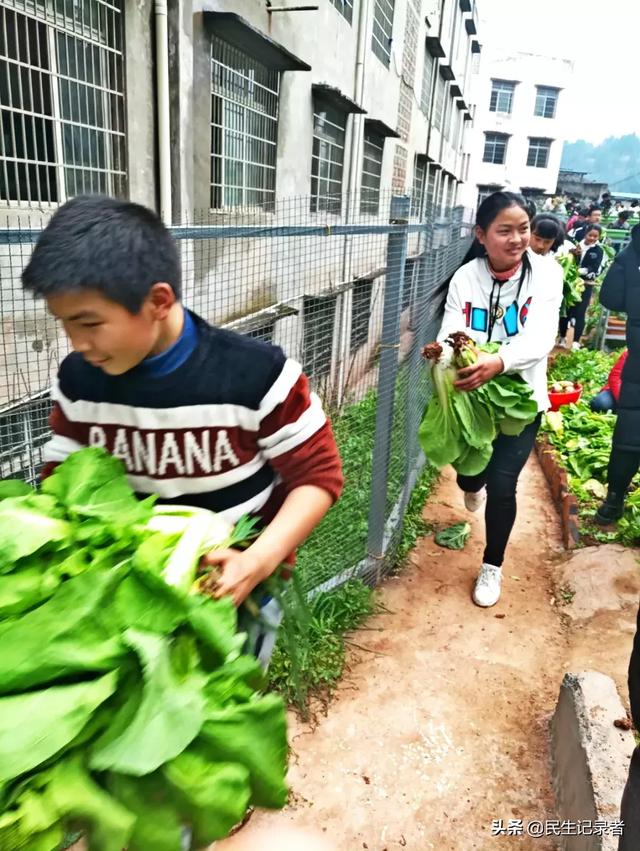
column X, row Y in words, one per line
column 600, row 36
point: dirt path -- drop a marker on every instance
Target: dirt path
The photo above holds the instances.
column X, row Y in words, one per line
column 443, row 726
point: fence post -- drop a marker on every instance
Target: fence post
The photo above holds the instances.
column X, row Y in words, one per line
column 418, row 324
column 388, row 370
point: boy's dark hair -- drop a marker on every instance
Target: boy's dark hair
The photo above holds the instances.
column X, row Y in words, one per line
column 116, row 247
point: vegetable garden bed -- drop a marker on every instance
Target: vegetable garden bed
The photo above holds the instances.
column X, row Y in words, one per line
column 573, row 447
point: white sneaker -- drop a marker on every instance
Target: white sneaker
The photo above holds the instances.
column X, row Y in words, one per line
column 487, row 590
column 474, row 501
column 562, row 342
column 575, row 347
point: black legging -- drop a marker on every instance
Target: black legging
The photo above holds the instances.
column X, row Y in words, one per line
column 623, row 465
column 501, row 478
column 579, row 313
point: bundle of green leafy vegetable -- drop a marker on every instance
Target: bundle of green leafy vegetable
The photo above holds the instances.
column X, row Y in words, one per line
column 572, row 284
column 127, row 709
column 458, row 427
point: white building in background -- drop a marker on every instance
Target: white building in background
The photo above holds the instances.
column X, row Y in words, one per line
column 519, row 127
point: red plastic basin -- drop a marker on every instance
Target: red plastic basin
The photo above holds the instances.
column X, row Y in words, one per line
column 559, row 399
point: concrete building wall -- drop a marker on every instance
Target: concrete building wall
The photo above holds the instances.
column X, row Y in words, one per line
column 227, row 279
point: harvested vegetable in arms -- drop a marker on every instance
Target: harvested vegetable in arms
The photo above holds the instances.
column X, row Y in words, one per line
column 459, row 427
column 143, row 715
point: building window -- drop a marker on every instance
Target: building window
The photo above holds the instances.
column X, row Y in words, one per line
column 431, row 190
column 546, row 101
column 360, row 313
column 427, row 80
column 371, row 173
column 345, row 7
column 244, row 128
column 452, row 190
column 382, row 30
column 419, row 174
column 24, row 429
column 317, row 336
column 329, row 125
column 407, row 285
column 439, row 107
column 262, row 332
column 502, row 96
column 495, row 148
column 62, row 112
column 538, row 155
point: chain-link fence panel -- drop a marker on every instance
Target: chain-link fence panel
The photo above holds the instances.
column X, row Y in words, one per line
column 352, row 293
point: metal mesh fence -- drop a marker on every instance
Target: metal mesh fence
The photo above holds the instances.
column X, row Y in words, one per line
column 353, row 296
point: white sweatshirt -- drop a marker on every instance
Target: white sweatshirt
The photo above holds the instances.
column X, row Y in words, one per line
column 526, row 326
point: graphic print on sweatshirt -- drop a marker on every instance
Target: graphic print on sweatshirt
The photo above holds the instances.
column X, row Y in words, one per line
column 513, row 319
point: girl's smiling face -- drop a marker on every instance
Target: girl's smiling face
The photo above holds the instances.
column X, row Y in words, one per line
column 507, row 237
column 591, row 237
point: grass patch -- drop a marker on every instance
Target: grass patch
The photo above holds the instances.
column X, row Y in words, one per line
column 309, row 657
column 318, row 660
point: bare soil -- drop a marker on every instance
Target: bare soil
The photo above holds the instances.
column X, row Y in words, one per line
column 441, row 724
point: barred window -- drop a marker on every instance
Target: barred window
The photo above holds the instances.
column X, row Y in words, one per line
column 502, row 96
column 360, row 313
column 419, row 173
column 345, row 7
column 62, row 111
column 439, row 107
column 538, row 155
column 382, row 30
column 244, row 128
column 327, row 159
column 410, row 269
column 371, row 172
column 495, row 148
column 24, row 429
column 427, row 80
column 546, row 101
column 319, row 313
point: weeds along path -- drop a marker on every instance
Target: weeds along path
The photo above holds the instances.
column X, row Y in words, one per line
column 441, row 724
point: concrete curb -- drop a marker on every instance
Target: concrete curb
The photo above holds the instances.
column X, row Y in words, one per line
column 565, row 501
column 590, row 756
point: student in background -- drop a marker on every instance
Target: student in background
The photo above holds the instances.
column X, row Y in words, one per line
column 622, row 222
column 593, row 218
column 577, row 219
column 607, row 399
column 547, row 234
column 592, row 260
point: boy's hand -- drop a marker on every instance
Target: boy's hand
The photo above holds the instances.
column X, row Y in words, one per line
column 241, row 572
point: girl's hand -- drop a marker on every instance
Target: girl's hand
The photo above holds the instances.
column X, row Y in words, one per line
column 472, row 377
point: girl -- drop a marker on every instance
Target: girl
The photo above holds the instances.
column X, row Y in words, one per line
column 592, row 259
column 547, row 234
column 511, row 296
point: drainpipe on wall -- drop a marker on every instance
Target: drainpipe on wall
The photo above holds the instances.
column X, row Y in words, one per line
column 358, row 96
column 432, row 101
column 162, row 103
column 357, row 128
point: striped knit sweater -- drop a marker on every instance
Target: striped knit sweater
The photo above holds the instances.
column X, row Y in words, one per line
column 233, row 428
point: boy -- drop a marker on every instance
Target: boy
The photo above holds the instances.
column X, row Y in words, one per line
column 198, row 415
